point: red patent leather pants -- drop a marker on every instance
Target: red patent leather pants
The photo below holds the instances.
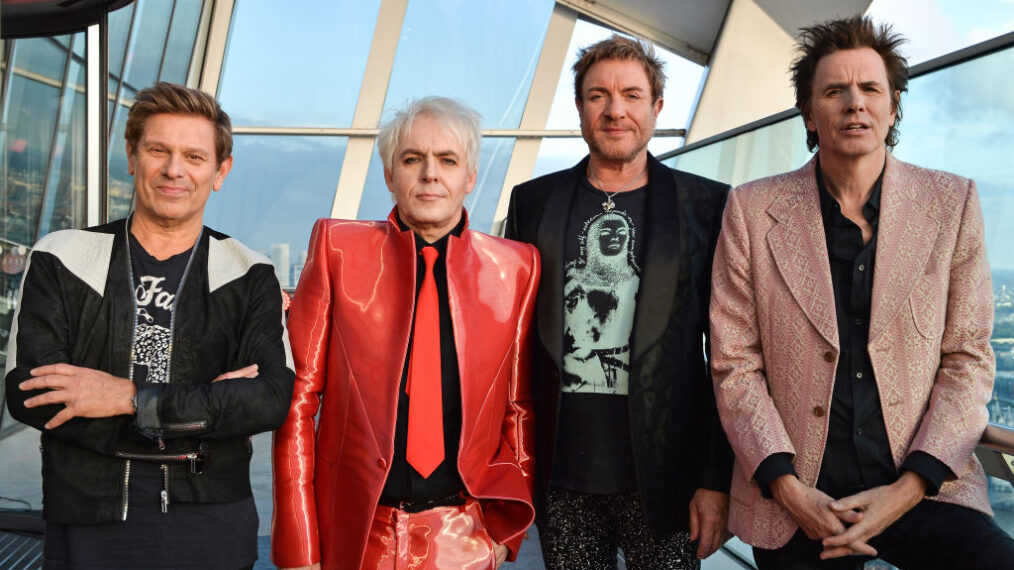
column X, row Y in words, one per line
column 435, row 539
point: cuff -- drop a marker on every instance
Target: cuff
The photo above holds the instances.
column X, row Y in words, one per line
column 773, row 467
column 147, row 420
column 929, row 468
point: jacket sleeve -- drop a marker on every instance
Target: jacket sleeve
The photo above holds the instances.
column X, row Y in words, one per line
column 40, row 335
column 519, row 421
column 748, row 413
column 510, row 229
column 717, row 474
column 964, row 379
column 237, row 407
column 294, row 535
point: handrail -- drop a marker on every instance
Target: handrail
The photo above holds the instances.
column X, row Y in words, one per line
column 998, row 438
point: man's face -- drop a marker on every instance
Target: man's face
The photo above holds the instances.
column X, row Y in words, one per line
column 613, row 237
column 175, row 169
column 616, row 109
column 852, row 106
column 429, row 179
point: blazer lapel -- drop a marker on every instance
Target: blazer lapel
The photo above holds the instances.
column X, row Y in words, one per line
column 906, row 234
column 799, row 249
column 551, row 247
column 665, row 257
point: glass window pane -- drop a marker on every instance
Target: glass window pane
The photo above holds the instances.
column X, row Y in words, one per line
column 451, row 49
column 180, row 46
column 296, row 67
column 147, row 40
column 937, row 27
column 64, row 203
column 40, row 56
column 121, row 183
column 119, row 24
column 558, row 154
column 279, row 185
column 494, row 155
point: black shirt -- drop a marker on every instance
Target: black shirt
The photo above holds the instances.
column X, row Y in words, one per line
column 857, row 455
column 404, row 483
column 603, row 250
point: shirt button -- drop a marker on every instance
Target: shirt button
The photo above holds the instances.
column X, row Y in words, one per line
column 818, row 411
column 859, row 322
column 829, row 356
column 862, row 267
column 859, row 375
column 382, row 462
column 859, row 431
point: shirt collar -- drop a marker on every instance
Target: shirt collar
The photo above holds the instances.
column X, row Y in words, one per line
column 440, row 244
column 871, row 209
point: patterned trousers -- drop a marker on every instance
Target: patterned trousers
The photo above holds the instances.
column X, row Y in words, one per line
column 582, row 531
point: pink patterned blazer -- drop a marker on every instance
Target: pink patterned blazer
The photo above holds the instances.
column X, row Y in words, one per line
column 775, row 337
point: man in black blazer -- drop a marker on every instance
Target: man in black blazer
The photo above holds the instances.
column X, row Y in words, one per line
column 629, row 450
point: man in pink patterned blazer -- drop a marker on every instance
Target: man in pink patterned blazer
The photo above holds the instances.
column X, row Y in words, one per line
column 851, row 312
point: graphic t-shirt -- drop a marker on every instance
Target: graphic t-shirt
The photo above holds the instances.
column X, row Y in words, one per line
column 601, row 276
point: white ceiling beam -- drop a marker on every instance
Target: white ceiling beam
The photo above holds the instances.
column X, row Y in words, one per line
column 356, row 165
column 626, row 24
column 214, row 50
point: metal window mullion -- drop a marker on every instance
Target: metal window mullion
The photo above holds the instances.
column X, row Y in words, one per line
column 8, row 66
column 200, row 43
column 216, row 42
column 123, row 68
column 56, row 134
column 369, row 107
column 165, row 42
column 537, row 107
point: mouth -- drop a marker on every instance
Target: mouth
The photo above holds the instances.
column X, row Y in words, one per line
column 855, row 127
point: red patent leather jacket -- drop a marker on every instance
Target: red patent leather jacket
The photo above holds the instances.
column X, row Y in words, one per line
column 349, row 327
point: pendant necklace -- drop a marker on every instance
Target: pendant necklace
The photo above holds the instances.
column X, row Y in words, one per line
column 608, row 205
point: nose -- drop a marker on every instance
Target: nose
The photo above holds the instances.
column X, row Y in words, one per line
column 856, row 100
column 174, row 166
column 429, row 171
column 615, row 108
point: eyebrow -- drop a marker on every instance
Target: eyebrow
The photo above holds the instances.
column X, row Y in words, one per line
column 845, row 84
column 188, row 150
column 440, row 153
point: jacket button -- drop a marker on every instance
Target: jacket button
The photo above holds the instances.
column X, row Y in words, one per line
column 818, row 411
column 829, row 356
column 382, row 462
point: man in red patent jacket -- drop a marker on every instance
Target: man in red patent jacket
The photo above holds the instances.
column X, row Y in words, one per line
column 413, row 332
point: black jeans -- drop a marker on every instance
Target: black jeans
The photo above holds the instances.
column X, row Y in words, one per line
column 933, row 535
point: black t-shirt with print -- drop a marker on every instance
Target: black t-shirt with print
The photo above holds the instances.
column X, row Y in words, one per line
column 602, row 272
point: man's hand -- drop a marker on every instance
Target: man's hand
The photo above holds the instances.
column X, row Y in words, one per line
column 709, row 514
column 500, row 551
column 245, row 372
column 811, row 509
column 84, row 392
column 880, row 507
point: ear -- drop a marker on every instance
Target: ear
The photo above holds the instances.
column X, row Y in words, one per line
column 130, row 160
column 657, row 106
column 223, row 171
column 578, row 104
column 389, row 180
column 894, row 106
column 470, row 183
column 811, row 125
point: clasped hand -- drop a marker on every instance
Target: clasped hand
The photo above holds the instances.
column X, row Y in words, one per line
column 867, row 514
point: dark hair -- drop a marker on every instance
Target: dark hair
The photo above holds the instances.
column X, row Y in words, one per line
column 619, row 47
column 172, row 98
column 820, row 40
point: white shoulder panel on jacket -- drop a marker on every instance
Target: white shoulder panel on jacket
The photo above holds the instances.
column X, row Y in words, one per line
column 85, row 254
column 228, row 260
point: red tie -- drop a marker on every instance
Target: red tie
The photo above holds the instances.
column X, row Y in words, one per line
column 425, row 445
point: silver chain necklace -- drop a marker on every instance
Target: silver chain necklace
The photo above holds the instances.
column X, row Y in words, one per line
column 608, row 205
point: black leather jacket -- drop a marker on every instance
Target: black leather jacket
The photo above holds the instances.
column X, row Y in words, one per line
column 77, row 307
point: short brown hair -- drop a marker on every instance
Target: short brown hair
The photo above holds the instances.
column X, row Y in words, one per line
column 172, row 98
column 815, row 42
column 622, row 48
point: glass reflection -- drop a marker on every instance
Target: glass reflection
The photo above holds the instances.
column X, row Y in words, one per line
column 314, row 79
column 277, row 188
column 451, row 49
column 494, row 156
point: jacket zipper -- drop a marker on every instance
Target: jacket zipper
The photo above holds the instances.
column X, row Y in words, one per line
column 169, row 353
column 184, row 427
column 126, row 489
